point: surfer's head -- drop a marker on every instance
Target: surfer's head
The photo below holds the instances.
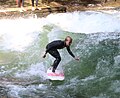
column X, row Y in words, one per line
column 68, row 41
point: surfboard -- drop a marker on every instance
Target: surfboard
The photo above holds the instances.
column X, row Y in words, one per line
column 58, row 75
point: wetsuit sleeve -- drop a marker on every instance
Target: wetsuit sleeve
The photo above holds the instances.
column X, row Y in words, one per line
column 70, row 52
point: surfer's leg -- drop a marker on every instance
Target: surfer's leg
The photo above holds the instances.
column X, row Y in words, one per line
column 57, row 57
column 55, row 64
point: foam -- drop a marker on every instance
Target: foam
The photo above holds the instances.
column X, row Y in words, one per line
column 34, row 70
column 18, row 34
column 86, row 22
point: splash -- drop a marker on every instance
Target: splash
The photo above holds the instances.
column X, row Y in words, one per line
column 86, row 22
column 18, row 34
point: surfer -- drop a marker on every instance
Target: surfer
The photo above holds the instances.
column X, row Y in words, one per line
column 52, row 49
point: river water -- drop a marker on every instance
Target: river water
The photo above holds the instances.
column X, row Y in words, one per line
column 96, row 40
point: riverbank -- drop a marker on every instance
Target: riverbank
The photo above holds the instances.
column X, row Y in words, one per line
column 9, row 9
column 92, row 6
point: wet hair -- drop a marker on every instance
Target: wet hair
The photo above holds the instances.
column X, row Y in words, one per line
column 69, row 38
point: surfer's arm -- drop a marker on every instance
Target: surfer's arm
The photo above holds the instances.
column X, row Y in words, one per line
column 48, row 49
column 46, row 53
column 70, row 52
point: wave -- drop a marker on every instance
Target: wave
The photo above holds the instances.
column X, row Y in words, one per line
column 96, row 40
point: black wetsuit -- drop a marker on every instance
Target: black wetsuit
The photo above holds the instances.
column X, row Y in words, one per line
column 52, row 47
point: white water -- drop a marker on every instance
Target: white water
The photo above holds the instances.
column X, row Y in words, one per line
column 33, row 70
column 17, row 34
column 86, row 22
column 20, row 33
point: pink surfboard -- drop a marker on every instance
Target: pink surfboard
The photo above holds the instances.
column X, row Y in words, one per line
column 58, row 75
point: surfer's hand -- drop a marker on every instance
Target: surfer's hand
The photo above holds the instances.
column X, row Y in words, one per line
column 77, row 58
column 44, row 56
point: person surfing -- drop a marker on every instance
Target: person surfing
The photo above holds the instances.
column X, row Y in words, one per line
column 52, row 49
